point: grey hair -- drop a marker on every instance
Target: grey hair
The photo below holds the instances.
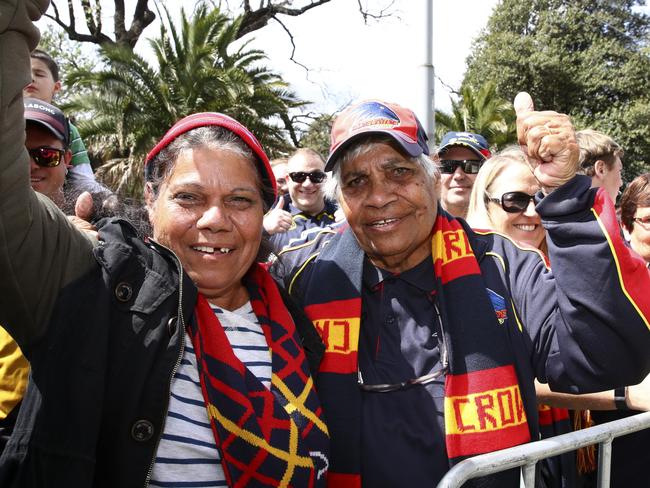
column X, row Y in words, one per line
column 163, row 164
column 363, row 146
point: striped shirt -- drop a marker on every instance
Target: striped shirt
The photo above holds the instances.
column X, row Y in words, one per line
column 187, row 455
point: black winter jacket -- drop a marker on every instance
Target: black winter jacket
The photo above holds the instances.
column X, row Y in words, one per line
column 101, row 375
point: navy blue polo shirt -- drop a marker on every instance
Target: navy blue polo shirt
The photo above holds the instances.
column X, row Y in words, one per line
column 403, row 433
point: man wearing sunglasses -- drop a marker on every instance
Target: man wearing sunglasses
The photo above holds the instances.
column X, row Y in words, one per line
column 433, row 332
column 304, row 207
column 47, row 137
column 460, row 155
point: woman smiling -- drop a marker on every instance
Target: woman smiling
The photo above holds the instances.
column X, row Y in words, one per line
column 502, row 199
column 171, row 360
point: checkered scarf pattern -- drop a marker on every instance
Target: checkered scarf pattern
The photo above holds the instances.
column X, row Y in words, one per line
column 273, row 437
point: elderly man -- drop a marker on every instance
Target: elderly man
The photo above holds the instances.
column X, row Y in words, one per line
column 434, row 333
column 460, row 156
column 305, row 206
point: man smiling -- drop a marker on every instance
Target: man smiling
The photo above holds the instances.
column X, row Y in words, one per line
column 47, row 137
column 434, row 333
column 460, row 155
column 305, row 206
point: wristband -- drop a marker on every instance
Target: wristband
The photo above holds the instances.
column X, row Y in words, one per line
column 619, row 398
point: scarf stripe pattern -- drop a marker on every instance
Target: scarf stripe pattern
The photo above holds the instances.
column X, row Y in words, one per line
column 273, row 437
column 483, row 404
column 484, row 410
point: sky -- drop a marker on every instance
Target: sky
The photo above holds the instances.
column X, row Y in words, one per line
column 350, row 60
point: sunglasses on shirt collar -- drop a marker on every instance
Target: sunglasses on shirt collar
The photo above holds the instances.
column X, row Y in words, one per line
column 315, row 176
column 469, row 166
column 513, row 201
column 46, row 156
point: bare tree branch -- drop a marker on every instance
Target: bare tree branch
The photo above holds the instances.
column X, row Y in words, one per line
column 384, row 12
column 447, row 86
column 88, row 15
column 118, row 20
column 95, row 37
column 256, row 19
column 288, row 125
column 293, row 46
column 142, row 17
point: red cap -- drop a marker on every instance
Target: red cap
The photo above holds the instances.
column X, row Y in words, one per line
column 377, row 117
column 205, row 119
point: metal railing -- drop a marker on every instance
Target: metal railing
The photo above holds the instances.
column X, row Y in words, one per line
column 527, row 455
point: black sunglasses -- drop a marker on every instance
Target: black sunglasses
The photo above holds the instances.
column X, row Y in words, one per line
column 46, row 157
column 513, row 201
column 315, row 176
column 439, row 371
column 469, row 166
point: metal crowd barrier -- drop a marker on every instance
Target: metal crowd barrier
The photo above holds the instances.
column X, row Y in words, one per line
column 527, row 455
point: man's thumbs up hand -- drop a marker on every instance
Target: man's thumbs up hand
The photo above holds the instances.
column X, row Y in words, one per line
column 548, row 138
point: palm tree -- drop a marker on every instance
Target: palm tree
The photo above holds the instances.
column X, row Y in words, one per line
column 481, row 112
column 132, row 102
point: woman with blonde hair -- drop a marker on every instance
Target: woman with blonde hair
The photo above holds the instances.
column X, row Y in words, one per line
column 503, row 199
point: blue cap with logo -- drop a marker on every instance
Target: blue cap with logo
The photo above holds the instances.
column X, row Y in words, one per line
column 475, row 142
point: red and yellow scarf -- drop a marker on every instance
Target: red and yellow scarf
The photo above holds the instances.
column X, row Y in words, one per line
column 273, row 437
column 483, row 407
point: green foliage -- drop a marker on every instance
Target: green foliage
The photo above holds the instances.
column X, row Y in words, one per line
column 317, row 136
column 586, row 58
column 198, row 68
column 483, row 112
column 70, row 55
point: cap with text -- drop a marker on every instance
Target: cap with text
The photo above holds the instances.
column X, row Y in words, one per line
column 474, row 142
column 48, row 116
column 376, row 117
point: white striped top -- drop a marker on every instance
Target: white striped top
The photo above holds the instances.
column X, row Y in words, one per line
column 187, row 455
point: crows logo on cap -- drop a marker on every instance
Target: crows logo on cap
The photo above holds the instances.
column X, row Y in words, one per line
column 374, row 114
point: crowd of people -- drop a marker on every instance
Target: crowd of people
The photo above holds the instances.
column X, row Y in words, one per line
column 371, row 318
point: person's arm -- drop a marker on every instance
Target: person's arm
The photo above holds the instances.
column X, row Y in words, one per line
column 588, row 320
column 40, row 252
column 634, row 397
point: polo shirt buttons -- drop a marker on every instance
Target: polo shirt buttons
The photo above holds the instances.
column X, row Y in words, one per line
column 390, row 319
column 123, row 291
column 142, row 430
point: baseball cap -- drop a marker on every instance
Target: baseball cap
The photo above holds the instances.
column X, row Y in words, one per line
column 475, row 142
column 376, row 117
column 205, row 119
column 48, row 116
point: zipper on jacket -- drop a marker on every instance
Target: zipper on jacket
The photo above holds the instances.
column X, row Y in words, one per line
column 181, row 320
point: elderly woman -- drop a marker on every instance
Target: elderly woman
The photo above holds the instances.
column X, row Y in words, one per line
column 167, row 361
